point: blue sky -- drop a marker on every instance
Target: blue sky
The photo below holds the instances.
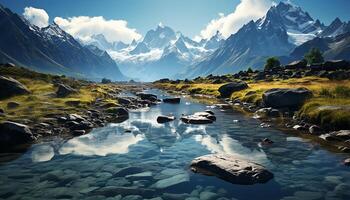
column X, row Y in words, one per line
column 187, row 16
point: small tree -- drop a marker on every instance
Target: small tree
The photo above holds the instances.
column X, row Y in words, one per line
column 314, row 56
column 271, row 63
column 249, row 70
column 106, row 81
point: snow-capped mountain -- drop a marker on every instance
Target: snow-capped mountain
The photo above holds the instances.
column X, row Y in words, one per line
column 298, row 24
column 284, row 27
column 50, row 50
column 162, row 53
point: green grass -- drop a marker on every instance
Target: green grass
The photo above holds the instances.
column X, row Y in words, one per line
column 326, row 93
column 42, row 101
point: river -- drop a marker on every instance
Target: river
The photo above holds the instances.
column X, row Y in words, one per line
column 140, row 159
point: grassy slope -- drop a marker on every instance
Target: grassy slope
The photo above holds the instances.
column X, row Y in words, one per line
column 42, row 101
column 326, row 93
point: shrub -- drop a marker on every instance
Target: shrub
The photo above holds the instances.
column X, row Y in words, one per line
column 105, row 81
column 342, row 91
column 314, row 56
column 326, row 93
column 271, row 63
column 250, row 70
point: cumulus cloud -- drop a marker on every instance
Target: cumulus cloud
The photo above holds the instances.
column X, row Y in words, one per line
column 245, row 11
column 36, row 16
column 84, row 27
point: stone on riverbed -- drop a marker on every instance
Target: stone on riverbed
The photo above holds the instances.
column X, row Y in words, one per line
column 172, row 100
column 163, row 119
column 231, row 169
column 341, row 135
column 174, row 180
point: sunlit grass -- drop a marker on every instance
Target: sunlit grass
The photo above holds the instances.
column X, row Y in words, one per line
column 325, row 93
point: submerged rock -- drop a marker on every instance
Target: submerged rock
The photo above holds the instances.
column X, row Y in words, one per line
column 229, row 88
column 172, row 100
column 10, row 87
column 12, row 133
column 286, row 98
column 164, row 119
column 231, row 169
column 174, row 180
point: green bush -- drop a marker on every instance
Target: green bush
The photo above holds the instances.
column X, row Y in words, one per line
column 271, row 63
column 342, row 91
column 314, row 56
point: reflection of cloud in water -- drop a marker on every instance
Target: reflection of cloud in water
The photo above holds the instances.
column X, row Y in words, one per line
column 227, row 145
column 42, row 153
column 101, row 143
column 195, row 129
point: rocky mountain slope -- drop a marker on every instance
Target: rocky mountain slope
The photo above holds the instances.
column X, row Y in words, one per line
column 277, row 33
column 50, row 50
column 333, row 48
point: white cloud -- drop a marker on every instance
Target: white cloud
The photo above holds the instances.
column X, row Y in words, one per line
column 245, row 11
column 83, row 27
column 36, row 16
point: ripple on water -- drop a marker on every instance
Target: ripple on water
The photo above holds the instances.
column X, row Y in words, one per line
column 140, row 155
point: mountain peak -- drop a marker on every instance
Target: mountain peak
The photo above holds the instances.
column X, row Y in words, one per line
column 160, row 25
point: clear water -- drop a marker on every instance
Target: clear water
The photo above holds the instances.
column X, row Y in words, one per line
column 140, row 159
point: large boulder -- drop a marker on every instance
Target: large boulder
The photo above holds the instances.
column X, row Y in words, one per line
column 10, row 87
column 229, row 88
column 286, row 98
column 12, row 133
column 231, row 169
column 64, row 91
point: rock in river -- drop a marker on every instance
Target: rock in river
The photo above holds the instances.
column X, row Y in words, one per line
column 145, row 96
column 341, row 135
column 10, row 87
column 231, row 169
column 286, row 98
column 199, row 118
column 12, row 133
column 164, row 119
column 120, row 111
column 229, row 88
column 172, row 100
